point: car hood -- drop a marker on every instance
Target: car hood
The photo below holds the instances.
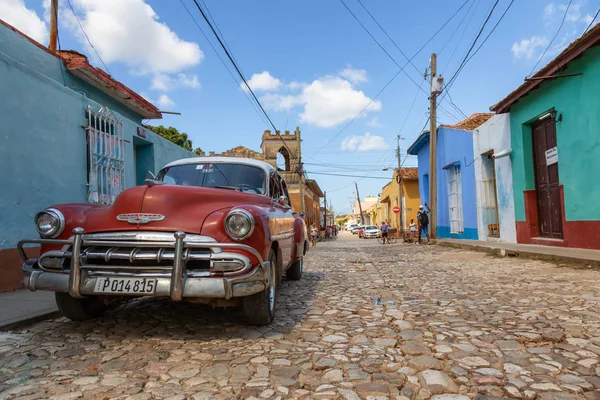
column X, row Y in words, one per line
column 184, row 207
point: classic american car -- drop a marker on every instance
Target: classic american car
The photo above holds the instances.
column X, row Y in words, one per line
column 214, row 230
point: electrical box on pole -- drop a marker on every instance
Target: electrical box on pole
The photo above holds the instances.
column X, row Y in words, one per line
column 437, row 84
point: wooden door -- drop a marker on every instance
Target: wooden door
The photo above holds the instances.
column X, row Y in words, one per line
column 546, row 179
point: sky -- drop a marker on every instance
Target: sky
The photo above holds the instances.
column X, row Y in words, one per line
column 312, row 65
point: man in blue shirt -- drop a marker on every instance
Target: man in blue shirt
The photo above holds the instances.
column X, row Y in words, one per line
column 384, row 231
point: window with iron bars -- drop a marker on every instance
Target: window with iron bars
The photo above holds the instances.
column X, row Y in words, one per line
column 455, row 199
column 106, row 155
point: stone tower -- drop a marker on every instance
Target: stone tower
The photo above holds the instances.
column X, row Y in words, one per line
column 273, row 144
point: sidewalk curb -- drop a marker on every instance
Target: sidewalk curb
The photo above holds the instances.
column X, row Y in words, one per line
column 30, row 321
column 525, row 254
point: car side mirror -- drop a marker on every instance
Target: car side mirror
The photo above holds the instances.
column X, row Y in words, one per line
column 284, row 201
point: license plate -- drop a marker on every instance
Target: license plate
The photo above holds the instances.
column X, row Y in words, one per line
column 125, row 285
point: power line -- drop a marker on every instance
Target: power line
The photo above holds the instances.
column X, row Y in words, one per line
column 351, row 176
column 86, row 36
column 466, row 27
column 394, row 77
column 237, row 83
column 456, row 29
column 591, row 23
column 464, row 61
column 386, row 52
column 238, row 70
column 555, row 35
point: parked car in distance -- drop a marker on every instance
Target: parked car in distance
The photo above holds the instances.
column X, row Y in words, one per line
column 214, row 230
column 355, row 229
column 371, row 231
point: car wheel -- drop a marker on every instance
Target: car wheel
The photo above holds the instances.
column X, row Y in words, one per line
column 79, row 309
column 259, row 308
column 294, row 273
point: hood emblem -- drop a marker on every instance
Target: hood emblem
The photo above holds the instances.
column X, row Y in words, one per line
column 140, row 218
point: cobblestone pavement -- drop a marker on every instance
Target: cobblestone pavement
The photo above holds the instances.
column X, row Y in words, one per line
column 365, row 322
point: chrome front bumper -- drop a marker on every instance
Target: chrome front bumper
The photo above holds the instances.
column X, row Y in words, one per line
column 173, row 281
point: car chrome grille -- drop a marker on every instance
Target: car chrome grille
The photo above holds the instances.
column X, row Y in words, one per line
column 144, row 254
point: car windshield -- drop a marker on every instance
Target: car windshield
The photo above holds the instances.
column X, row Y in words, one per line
column 371, row 227
column 246, row 178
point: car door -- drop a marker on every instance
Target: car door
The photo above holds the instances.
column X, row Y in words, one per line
column 281, row 220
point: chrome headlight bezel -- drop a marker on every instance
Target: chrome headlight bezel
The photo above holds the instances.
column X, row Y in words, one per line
column 60, row 223
column 239, row 212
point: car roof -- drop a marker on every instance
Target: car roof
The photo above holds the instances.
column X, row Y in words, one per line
column 268, row 168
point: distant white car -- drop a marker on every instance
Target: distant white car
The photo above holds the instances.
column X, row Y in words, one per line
column 371, row 231
column 355, row 228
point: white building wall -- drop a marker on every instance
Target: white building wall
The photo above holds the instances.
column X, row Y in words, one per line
column 494, row 135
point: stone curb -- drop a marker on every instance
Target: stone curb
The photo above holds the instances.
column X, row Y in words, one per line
column 30, row 321
column 555, row 258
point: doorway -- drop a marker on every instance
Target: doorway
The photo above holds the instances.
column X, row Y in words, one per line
column 547, row 186
column 489, row 199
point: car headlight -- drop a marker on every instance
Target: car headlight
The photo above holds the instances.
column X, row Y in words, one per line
column 50, row 223
column 239, row 224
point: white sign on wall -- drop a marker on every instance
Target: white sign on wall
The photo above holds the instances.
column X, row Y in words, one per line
column 552, row 156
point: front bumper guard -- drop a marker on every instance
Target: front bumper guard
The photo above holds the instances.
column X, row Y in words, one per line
column 177, row 286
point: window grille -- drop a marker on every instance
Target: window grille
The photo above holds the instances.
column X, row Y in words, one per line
column 106, row 156
column 455, row 199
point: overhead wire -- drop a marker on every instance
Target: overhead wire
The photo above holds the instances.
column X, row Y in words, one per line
column 457, row 28
column 86, row 36
column 394, row 77
column 591, row 23
column 238, row 70
column 553, row 38
column 465, row 58
column 237, row 83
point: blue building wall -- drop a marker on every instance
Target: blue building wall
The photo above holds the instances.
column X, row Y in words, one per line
column 43, row 139
column 453, row 147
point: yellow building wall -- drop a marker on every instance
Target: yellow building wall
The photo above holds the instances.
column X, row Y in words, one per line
column 411, row 200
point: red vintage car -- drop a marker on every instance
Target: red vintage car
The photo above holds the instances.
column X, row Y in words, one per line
column 214, row 230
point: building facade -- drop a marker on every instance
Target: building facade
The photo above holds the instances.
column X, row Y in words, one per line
column 410, row 198
column 554, row 120
column 456, row 201
column 493, row 180
column 71, row 134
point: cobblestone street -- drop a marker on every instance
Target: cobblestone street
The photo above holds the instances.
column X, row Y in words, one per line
column 366, row 321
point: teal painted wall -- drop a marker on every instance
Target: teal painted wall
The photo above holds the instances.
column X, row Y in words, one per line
column 577, row 98
column 42, row 139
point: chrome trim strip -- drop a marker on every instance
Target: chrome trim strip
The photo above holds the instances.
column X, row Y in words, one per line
column 283, row 235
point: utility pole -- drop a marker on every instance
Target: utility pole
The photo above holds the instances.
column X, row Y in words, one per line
column 362, row 221
column 399, row 180
column 433, row 149
column 325, row 210
column 53, row 24
column 300, row 169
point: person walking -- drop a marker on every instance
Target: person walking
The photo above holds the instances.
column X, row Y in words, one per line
column 385, row 229
column 423, row 218
column 314, row 235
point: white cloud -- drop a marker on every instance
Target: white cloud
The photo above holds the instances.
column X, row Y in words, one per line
column 263, row 81
column 354, row 75
column 166, row 82
column 329, row 101
column 528, row 48
column 15, row 13
column 374, row 123
column 364, row 143
column 164, row 101
column 549, row 11
column 326, row 102
column 129, row 32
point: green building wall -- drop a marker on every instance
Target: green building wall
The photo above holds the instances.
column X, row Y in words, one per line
column 577, row 99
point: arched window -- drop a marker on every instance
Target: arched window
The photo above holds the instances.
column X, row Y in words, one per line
column 283, row 159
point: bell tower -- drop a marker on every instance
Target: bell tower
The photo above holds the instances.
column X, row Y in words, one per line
column 273, row 144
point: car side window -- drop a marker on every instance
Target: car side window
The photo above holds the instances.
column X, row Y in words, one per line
column 284, row 188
